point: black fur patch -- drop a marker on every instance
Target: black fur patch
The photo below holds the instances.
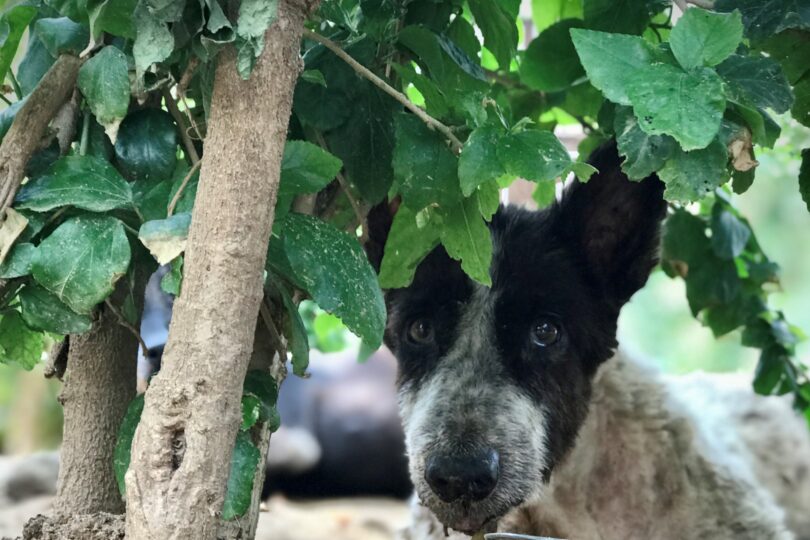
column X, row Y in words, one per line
column 575, row 264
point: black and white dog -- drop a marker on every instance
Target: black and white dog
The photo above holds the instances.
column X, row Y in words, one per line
column 518, row 413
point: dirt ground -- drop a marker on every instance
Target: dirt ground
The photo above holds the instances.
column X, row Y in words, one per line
column 330, row 519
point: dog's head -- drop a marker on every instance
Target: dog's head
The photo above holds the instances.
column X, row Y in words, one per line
column 495, row 382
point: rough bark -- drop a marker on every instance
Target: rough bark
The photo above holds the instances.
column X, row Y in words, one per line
column 99, row 383
column 26, row 132
column 182, row 449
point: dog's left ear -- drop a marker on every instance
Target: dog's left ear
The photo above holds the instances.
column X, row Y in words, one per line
column 379, row 221
column 616, row 224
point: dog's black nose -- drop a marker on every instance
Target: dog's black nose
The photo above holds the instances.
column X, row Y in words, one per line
column 472, row 476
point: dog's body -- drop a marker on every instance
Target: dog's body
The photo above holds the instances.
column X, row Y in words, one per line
column 516, row 413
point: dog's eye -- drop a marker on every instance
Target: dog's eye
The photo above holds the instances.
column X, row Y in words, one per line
column 421, row 332
column 545, row 333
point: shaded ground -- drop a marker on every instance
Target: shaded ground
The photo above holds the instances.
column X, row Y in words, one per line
column 330, row 519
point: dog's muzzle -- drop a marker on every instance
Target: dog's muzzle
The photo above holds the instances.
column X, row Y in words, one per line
column 470, row 476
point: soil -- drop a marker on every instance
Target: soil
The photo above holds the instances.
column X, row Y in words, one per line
column 329, row 519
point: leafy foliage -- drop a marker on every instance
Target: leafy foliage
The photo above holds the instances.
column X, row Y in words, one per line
column 689, row 102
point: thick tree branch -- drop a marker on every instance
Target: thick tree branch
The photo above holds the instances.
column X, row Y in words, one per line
column 29, row 126
column 385, row 87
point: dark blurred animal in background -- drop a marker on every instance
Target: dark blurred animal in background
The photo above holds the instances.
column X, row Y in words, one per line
column 520, row 416
column 340, row 433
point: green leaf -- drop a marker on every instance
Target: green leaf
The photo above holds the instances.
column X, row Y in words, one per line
column 758, row 81
column 551, row 63
column 186, row 201
column 498, row 27
column 801, row 106
column 330, row 334
column 112, row 16
column 547, row 12
column 611, row 60
column 770, row 369
column 8, row 114
column 122, row 454
column 85, row 182
column 18, row 261
column 729, row 234
column 296, row 334
column 62, row 35
column 690, row 176
column 255, row 16
column 165, row 238
column 154, row 41
column 478, row 162
column 764, row 18
column 489, row 199
column 407, row 245
column 645, row 154
column 687, row 106
column 36, row 62
column 582, row 170
column 424, row 166
column 259, row 383
column 250, row 411
column 619, row 16
column 147, row 145
column 791, row 49
column 742, row 180
column 313, row 76
column 75, row 9
column 12, row 25
column 804, row 177
column 18, row 343
column 684, row 243
column 544, row 194
column 705, row 38
column 306, row 168
column 44, row 311
column 244, row 462
column 104, row 82
column 337, row 274
column 171, row 282
column 533, row 155
column 151, row 198
column 710, row 283
column 82, row 259
column 466, row 237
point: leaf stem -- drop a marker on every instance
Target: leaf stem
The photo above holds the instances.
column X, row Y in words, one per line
column 85, row 140
column 385, row 87
column 188, row 144
column 125, row 323
column 15, row 84
column 4, row 98
column 183, row 184
column 129, row 229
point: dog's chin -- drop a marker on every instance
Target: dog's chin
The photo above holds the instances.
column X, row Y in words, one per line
column 468, row 517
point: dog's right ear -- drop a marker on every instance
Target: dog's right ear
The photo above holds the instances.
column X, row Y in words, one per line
column 379, row 221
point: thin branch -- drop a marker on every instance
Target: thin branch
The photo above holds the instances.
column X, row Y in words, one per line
column 385, row 87
column 185, row 78
column 344, row 185
column 4, row 98
column 16, row 85
column 191, row 118
column 267, row 317
column 30, row 123
column 126, row 324
column 188, row 144
column 183, row 184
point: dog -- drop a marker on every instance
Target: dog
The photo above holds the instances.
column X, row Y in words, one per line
column 519, row 414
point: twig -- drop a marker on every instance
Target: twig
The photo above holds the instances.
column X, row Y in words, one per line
column 188, row 144
column 344, row 185
column 267, row 317
column 125, row 323
column 30, row 123
column 4, row 98
column 185, row 78
column 191, row 118
column 385, row 87
column 15, row 84
column 85, row 134
column 183, row 184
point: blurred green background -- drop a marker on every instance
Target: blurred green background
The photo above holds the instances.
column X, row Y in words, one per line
column 656, row 325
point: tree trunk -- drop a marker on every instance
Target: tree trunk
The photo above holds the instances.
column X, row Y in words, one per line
column 99, row 383
column 182, row 449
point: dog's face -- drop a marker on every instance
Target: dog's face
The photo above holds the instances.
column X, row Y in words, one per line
column 495, row 382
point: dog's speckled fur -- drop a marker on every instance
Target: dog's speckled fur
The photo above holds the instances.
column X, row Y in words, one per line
column 591, row 446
